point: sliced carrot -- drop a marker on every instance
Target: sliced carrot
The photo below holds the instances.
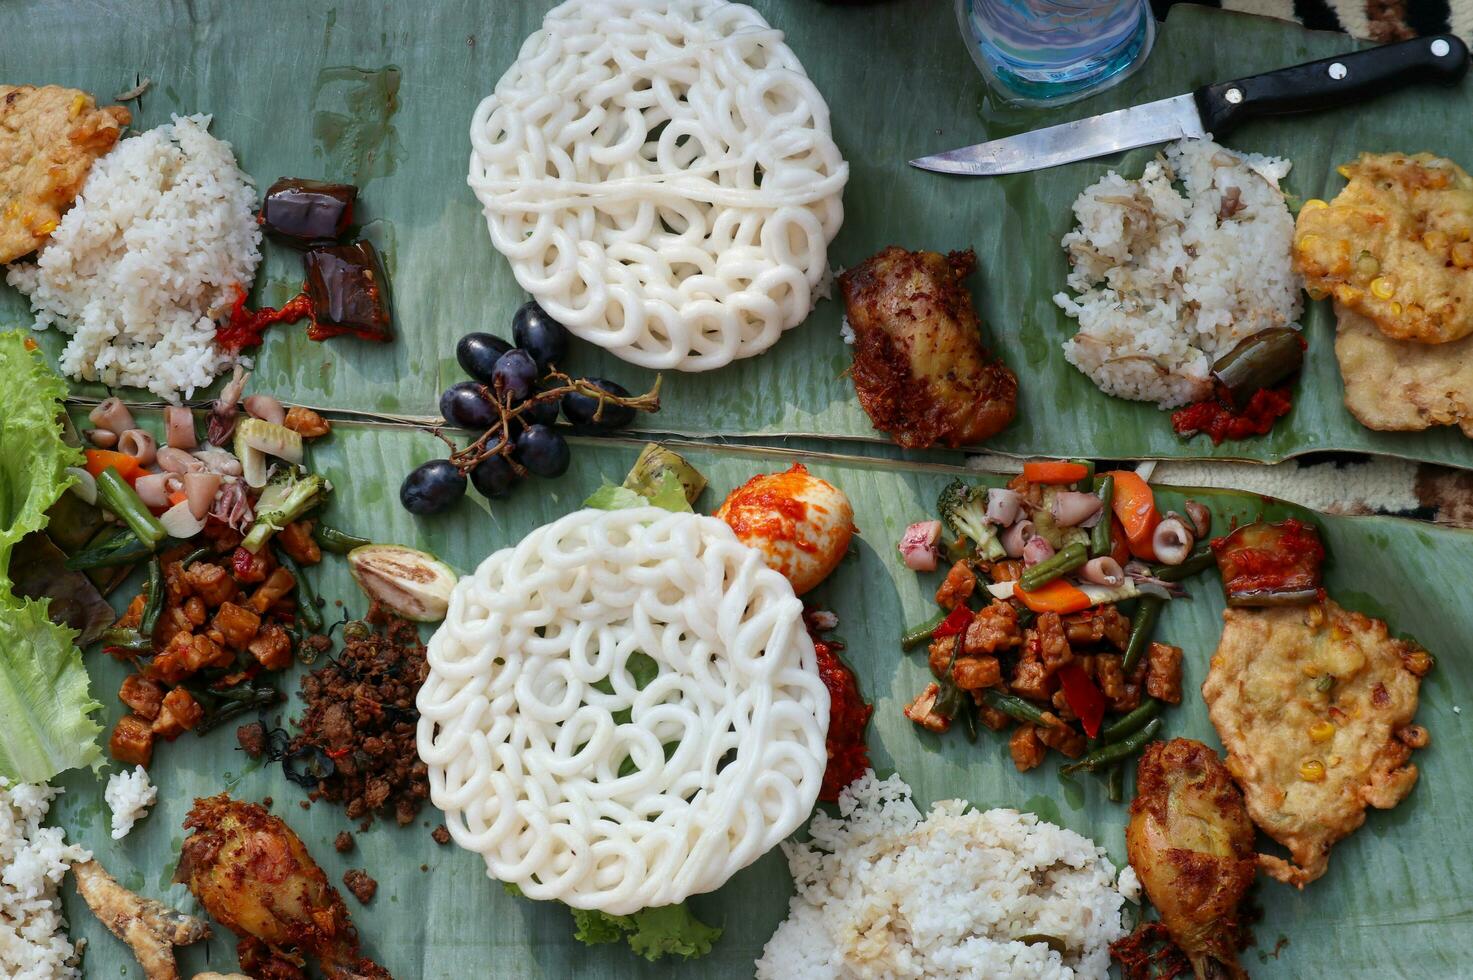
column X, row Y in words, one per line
column 1135, row 505
column 1054, row 471
column 178, row 497
column 127, row 466
column 1056, row 596
column 31, row 345
column 1119, row 547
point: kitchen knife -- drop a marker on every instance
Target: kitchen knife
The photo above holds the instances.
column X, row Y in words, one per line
column 1215, row 109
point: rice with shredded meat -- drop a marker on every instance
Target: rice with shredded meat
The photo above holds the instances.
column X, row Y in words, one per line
column 33, row 860
column 1168, row 278
column 956, row 893
column 147, row 260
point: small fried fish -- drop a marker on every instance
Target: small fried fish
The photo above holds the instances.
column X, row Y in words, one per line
column 49, row 137
column 1401, row 385
column 1314, row 704
column 1395, row 245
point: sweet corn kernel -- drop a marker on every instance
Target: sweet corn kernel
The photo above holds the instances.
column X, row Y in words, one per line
column 1322, row 731
column 47, row 227
column 1343, row 170
column 1382, row 288
column 1311, row 670
column 1367, row 264
column 1462, row 255
column 1312, row 771
column 1436, row 240
column 1307, row 242
column 1315, row 292
column 1396, row 309
column 79, row 103
column 1313, row 204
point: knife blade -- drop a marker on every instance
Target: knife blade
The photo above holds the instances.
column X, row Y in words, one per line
column 1215, row 109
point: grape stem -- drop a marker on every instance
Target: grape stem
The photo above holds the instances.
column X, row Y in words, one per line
column 493, row 442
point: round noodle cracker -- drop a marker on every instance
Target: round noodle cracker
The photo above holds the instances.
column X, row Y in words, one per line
column 662, row 177
column 540, row 694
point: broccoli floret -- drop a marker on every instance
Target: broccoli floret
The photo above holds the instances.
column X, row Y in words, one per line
column 289, row 495
column 963, row 510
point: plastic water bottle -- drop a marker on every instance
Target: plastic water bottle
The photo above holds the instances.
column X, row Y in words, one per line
column 1047, row 52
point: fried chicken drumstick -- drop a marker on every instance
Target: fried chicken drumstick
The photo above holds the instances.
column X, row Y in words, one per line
column 253, row 874
column 1191, row 844
column 920, row 369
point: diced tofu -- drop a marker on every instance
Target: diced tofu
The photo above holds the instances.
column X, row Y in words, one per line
column 132, row 741
column 210, row 582
column 179, row 713
column 277, row 584
column 272, row 648
column 296, row 540
column 141, row 695
column 237, row 624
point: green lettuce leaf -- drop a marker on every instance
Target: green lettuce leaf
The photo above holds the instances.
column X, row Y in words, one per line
column 33, row 456
column 671, row 930
column 44, row 698
column 610, row 497
column 670, row 495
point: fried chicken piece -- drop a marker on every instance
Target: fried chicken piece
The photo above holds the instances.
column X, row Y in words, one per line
column 920, row 369
column 253, row 874
column 1191, row 844
column 151, row 928
column 1396, row 245
column 49, row 137
column 1309, row 701
column 1401, row 385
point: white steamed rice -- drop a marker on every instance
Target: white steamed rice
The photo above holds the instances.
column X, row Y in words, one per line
column 888, row 893
column 147, row 259
column 129, row 794
column 1164, row 283
column 33, row 860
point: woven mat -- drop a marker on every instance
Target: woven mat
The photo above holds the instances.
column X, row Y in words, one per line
column 1376, row 20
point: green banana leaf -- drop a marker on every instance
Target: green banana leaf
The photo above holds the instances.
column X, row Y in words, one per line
column 382, row 94
column 1392, row 905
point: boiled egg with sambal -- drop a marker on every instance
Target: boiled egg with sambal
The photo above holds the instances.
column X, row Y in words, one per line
column 801, row 524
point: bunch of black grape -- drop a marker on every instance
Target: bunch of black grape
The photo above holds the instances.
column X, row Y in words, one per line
column 513, row 401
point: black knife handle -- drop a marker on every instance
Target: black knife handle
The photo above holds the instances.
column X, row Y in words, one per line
column 1332, row 82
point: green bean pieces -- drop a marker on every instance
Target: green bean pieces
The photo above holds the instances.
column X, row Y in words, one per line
column 1131, row 723
column 1146, row 614
column 1067, row 560
column 307, row 610
column 155, row 603
column 1107, row 754
column 1014, row 707
column 115, row 495
column 921, row 632
column 1115, row 782
column 338, row 542
column 1099, row 535
column 121, row 548
column 1197, row 562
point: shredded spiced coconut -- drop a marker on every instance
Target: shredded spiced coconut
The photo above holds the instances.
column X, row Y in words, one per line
column 356, row 741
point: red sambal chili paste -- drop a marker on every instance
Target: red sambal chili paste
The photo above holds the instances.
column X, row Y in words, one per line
column 770, row 506
column 1262, row 563
column 1221, row 419
column 848, row 716
column 245, row 327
